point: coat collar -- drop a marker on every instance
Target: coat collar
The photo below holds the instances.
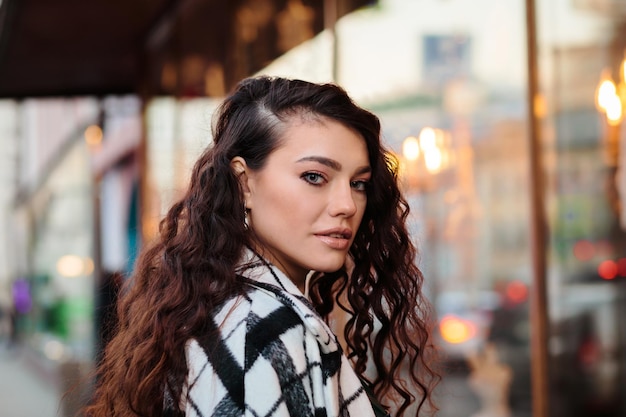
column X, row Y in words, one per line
column 267, row 278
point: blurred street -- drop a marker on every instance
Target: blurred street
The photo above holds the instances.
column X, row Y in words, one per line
column 506, row 120
column 27, row 388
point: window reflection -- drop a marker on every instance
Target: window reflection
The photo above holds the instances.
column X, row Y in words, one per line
column 580, row 75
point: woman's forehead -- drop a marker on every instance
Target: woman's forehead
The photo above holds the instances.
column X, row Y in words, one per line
column 322, row 136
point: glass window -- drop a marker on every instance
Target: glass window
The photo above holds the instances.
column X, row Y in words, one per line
column 581, row 46
column 60, row 282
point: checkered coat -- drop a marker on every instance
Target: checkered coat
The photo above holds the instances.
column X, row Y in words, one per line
column 274, row 356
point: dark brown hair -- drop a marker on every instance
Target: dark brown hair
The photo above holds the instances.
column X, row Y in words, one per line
column 189, row 270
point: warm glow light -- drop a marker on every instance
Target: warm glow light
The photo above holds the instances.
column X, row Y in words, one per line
column 93, row 135
column 445, row 158
column 433, row 159
column 607, row 269
column 540, row 106
column 456, row 330
column 428, row 139
column 607, row 92
column 70, row 266
column 610, row 95
column 613, row 110
column 411, row 148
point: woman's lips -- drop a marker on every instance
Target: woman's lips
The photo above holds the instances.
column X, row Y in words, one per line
column 336, row 239
column 338, row 243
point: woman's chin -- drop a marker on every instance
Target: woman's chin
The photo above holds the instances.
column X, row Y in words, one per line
column 330, row 266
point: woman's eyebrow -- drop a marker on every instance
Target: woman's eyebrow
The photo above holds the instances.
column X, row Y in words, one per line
column 331, row 163
column 364, row 170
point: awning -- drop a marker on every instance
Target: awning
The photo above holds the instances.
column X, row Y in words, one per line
column 99, row 47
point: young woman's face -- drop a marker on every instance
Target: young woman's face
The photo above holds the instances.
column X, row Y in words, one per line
column 306, row 204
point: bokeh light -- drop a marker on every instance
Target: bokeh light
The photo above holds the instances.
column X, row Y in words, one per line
column 607, row 269
column 456, row 330
column 70, row 266
column 516, row 291
column 584, row 250
column 411, row 148
column 93, row 135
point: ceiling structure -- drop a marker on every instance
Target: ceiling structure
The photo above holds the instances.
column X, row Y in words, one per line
column 180, row 47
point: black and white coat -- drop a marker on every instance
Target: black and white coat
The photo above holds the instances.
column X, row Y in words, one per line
column 275, row 357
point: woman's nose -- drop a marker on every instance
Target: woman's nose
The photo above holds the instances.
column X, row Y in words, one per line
column 341, row 202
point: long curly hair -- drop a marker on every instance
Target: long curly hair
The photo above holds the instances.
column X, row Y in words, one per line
column 189, row 270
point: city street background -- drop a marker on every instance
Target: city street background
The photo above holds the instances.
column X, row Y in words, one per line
column 27, row 389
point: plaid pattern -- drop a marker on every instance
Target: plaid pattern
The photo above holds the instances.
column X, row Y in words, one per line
column 275, row 357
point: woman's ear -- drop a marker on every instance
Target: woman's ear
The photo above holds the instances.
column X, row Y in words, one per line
column 241, row 170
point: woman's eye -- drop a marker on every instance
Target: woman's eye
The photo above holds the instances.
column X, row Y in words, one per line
column 313, row 178
column 359, row 185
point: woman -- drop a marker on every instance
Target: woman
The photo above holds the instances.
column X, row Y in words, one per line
column 292, row 212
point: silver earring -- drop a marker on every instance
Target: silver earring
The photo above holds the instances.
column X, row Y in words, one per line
column 246, row 225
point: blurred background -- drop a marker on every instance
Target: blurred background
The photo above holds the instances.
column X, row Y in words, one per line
column 506, row 115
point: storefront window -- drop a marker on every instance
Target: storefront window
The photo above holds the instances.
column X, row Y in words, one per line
column 449, row 84
column 52, row 229
column 60, row 318
column 581, row 47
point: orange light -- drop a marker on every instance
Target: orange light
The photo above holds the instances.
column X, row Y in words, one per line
column 607, row 269
column 583, row 250
column 516, row 291
column 455, row 330
column 614, row 110
column 93, row 135
column 606, row 91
